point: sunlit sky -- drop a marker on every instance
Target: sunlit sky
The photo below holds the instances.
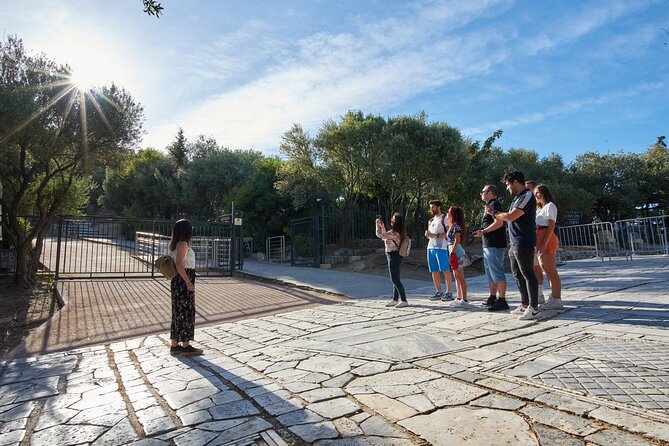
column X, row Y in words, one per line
column 557, row 76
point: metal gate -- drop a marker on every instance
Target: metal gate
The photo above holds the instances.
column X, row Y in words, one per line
column 306, row 241
column 109, row 247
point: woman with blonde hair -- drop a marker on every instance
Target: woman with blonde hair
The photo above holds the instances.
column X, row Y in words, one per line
column 393, row 240
column 547, row 245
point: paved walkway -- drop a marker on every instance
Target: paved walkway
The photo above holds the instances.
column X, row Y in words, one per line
column 103, row 311
column 359, row 373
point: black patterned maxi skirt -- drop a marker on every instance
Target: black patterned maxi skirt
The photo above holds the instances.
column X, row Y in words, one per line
column 183, row 309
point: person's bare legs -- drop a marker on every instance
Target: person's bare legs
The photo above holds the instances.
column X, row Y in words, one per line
column 549, row 266
column 449, row 282
column 540, row 274
column 437, row 281
column 501, row 289
column 461, row 284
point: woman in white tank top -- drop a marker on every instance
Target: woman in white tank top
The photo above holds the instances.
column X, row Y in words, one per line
column 182, row 289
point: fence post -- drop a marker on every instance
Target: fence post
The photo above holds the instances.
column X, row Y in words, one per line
column 60, row 236
column 153, row 247
column 664, row 230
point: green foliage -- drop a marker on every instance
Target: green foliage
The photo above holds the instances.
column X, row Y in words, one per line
column 144, row 187
column 52, row 133
column 300, row 178
column 302, row 244
column 179, row 149
column 152, row 7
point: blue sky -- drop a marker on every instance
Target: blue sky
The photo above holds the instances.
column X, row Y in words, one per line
column 556, row 76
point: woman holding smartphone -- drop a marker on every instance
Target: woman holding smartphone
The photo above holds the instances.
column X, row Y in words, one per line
column 392, row 240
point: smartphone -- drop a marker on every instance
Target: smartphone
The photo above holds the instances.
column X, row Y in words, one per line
column 379, row 216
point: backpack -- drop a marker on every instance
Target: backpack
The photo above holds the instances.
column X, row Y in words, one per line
column 165, row 264
column 404, row 247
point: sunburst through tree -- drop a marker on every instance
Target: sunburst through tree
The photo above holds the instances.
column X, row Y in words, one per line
column 51, row 131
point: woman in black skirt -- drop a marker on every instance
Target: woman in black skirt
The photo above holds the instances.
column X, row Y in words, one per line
column 182, row 329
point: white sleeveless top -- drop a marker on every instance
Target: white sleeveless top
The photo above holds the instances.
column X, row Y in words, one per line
column 189, row 261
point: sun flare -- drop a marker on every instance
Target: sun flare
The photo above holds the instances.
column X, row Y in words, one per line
column 86, row 79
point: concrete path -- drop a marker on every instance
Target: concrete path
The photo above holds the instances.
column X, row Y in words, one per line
column 359, row 373
column 351, row 284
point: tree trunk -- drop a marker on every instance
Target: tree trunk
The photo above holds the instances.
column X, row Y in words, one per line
column 23, row 278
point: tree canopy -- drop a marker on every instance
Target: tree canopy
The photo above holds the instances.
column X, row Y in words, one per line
column 51, row 133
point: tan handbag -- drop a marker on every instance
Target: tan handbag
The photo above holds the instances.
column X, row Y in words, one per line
column 165, row 264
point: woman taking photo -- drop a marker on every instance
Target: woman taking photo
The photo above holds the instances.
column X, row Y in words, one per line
column 182, row 289
column 547, row 245
column 393, row 239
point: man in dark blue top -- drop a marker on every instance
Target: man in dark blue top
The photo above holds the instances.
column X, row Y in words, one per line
column 523, row 239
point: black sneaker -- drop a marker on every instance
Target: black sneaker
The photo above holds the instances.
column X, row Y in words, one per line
column 447, row 297
column 176, row 350
column 437, row 296
column 191, row 351
column 499, row 305
column 491, row 300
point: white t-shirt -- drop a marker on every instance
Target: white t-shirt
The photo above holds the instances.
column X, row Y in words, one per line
column 436, row 227
column 189, row 261
column 545, row 213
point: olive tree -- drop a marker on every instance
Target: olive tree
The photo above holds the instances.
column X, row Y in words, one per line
column 51, row 132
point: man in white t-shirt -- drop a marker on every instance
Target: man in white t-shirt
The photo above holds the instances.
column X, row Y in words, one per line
column 437, row 252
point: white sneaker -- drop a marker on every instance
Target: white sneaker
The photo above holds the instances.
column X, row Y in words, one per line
column 541, row 299
column 552, row 304
column 519, row 310
column 402, row 304
column 392, row 303
column 530, row 313
column 460, row 303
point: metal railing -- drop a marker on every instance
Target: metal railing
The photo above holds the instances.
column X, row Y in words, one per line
column 594, row 240
column 125, row 247
column 643, row 236
column 275, row 249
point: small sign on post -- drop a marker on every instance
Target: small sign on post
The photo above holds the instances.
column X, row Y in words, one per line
column 238, row 221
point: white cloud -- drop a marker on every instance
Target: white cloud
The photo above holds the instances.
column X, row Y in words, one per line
column 329, row 74
column 566, row 108
column 376, row 66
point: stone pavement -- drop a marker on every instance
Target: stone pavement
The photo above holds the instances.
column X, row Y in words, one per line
column 105, row 310
column 359, row 373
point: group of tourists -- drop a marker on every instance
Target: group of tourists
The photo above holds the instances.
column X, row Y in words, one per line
column 532, row 248
column 532, row 252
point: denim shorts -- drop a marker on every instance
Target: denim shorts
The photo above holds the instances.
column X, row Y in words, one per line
column 437, row 260
column 493, row 261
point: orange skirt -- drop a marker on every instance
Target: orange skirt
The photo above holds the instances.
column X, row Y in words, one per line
column 553, row 242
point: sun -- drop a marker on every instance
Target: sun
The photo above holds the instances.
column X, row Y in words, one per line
column 86, row 78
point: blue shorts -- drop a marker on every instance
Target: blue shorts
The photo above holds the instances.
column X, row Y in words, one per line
column 437, row 260
column 493, row 262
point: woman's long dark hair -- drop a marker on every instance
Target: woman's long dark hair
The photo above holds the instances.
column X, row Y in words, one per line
column 459, row 219
column 546, row 193
column 400, row 225
column 181, row 232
